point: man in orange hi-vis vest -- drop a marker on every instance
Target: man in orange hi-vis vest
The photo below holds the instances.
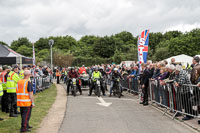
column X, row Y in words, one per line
column 25, row 100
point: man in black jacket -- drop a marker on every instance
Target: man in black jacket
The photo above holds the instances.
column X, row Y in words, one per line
column 115, row 75
column 193, row 76
column 145, row 83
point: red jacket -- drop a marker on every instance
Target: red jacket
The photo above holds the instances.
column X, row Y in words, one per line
column 81, row 70
column 73, row 74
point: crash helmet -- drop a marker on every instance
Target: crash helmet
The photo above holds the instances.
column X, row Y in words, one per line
column 115, row 69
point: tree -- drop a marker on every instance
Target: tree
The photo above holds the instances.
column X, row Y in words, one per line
column 3, row 43
column 25, row 50
column 62, row 59
column 154, row 40
column 126, row 37
column 160, row 54
column 171, row 34
column 21, row 41
column 42, row 43
column 104, row 47
column 91, row 49
column 185, row 44
column 43, row 55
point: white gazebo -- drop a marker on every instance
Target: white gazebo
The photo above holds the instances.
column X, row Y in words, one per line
column 198, row 55
column 183, row 59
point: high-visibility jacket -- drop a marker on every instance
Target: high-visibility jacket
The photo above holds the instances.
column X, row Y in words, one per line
column 11, row 83
column 23, row 99
column 1, row 88
column 21, row 74
column 96, row 75
column 57, row 73
column 3, row 79
column 66, row 73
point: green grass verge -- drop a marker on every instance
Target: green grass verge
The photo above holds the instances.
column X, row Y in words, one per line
column 43, row 102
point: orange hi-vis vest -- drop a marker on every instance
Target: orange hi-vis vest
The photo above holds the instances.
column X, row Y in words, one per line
column 57, row 74
column 23, row 99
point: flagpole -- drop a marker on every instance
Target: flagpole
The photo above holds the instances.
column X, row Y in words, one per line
column 33, row 60
column 34, row 75
column 138, row 54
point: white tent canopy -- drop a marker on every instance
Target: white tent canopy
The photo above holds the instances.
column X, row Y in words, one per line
column 198, row 55
column 184, row 59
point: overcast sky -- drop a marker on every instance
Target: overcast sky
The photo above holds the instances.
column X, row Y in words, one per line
column 43, row 18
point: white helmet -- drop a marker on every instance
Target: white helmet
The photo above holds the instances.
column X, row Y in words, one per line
column 115, row 69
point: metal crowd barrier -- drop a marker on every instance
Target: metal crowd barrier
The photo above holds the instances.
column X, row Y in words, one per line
column 184, row 99
column 41, row 82
column 130, row 84
column 108, row 79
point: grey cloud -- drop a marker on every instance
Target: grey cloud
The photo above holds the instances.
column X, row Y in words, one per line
column 43, row 18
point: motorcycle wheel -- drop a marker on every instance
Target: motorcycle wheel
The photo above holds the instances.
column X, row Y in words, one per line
column 95, row 90
column 98, row 91
column 74, row 91
column 119, row 92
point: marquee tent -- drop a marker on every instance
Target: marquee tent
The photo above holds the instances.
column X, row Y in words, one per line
column 9, row 57
column 198, row 55
column 184, row 59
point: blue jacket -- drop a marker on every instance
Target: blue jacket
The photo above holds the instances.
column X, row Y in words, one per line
column 135, row 73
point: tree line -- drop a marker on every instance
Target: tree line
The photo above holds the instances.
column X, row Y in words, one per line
column 122, row 46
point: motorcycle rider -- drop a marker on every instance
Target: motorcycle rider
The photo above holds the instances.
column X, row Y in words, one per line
column 115, row 75
column 73, row 74
column 104, row 75
column 96, row 74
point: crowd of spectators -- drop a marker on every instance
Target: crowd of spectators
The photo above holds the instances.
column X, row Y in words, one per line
column 154, row 75
column 37, row 71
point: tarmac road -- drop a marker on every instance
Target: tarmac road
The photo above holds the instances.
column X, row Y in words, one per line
column 124, row 115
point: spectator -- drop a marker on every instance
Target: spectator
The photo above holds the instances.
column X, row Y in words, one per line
column 82, row 69
column 45, row 71
column 181, row 78
column 151, row 69
column 166, row 63
column 156, row 86
column 40, row 71
column 163, row 90
column 1, row 94
column 11, row 84
column 173, row 61
column 134, row 75
column 145, row 83
column 4, row 100
column 25, row 100
column 194, row 75
column 58, row 76
column 54, row 73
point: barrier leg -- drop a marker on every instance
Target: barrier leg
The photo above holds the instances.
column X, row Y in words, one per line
column 174, row 115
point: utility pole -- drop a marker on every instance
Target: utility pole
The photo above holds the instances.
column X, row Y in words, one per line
column 51, row 42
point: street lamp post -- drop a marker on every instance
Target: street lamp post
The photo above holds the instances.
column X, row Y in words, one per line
column 51, row 42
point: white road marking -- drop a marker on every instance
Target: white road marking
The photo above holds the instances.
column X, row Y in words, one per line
column 102, row 102
column 121, row 99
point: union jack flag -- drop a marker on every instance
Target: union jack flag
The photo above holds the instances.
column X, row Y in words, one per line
column 143, row 41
